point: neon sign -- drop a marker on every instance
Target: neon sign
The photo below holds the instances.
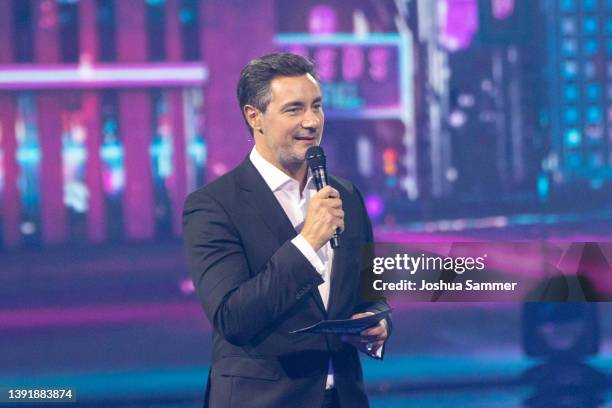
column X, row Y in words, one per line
column 87, row 76
column 362, row 76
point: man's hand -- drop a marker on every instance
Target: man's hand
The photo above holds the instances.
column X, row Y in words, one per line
column 370, row 340
column 323, row 217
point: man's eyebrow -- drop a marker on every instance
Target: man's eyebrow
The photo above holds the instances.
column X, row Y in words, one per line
column 300, row 103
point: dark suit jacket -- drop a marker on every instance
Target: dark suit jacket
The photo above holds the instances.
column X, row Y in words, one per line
column 255, row 287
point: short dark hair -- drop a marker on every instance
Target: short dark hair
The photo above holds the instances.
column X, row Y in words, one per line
column 254, row 83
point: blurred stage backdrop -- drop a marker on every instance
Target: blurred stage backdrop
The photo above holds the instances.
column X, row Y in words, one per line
column 457, row 119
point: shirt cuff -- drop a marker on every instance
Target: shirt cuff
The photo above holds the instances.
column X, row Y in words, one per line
column 308, row 251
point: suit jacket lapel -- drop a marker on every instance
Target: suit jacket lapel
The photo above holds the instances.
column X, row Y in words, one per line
column 262, row 199
column 259, row 196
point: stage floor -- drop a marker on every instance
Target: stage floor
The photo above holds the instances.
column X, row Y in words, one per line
column 122, row 327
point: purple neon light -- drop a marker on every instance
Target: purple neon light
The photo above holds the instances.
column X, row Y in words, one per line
column 322, row 20
column 458, row 23
column 298, row 49
column 503, row 9
column 379, row 63
column 100, row 314
column 374, row 205
column 352, row 62
column 325, row 59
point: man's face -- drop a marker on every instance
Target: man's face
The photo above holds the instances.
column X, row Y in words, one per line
column 292, row 122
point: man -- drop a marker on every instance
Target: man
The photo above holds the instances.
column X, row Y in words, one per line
column 257, row 240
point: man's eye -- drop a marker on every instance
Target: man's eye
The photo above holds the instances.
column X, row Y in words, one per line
column 317, row 107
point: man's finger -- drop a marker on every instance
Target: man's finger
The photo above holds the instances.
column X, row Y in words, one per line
column 374, row 346
column 334, row 203
column 328, row 192
column 333, row 193
column 373, row 331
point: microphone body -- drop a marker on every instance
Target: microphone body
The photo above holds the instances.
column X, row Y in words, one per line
column 316, row 162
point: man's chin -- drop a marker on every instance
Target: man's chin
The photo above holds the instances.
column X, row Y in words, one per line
column 305, row 148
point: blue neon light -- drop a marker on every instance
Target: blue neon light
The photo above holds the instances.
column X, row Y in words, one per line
column 28, row 154
column 161, row 152
column 197, row 151
column 339, row 39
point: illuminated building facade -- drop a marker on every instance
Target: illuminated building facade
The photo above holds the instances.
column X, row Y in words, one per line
column 579, row 79
column 112, row 111
column 104, row 125
column 432, row 98
column 493, row 118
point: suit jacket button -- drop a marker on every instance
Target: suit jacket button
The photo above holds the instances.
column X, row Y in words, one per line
column 301, row 292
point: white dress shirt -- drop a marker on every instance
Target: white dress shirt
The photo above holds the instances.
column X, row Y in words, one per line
column 295, row 204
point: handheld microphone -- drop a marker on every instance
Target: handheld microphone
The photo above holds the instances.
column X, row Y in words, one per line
column 316, row 162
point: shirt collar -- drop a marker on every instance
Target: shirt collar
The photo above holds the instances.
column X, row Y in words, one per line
column 274, row 177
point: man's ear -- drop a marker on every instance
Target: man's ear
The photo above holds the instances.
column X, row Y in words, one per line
column 253, row 117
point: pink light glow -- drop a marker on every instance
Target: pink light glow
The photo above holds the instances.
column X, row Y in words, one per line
column 100, row 315
column 379, row 63
column 1, row 172
column 458, row 23
column 352, row 62
column 59, row 76
column 299, row 50
column 325, row 60
column 374, row 205
column 186, row 286
column 322, row 19
column 503, row 9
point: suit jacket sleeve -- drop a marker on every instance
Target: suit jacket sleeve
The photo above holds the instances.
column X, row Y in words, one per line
column 239, row 303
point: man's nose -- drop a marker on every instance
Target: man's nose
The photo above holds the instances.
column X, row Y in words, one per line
column 311, row 120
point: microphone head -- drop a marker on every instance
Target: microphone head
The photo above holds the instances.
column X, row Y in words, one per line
column 315, row 157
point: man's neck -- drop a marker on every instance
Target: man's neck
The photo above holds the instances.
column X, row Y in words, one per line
column 297, row 171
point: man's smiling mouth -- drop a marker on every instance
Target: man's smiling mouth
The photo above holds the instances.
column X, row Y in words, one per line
column 307, row 138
